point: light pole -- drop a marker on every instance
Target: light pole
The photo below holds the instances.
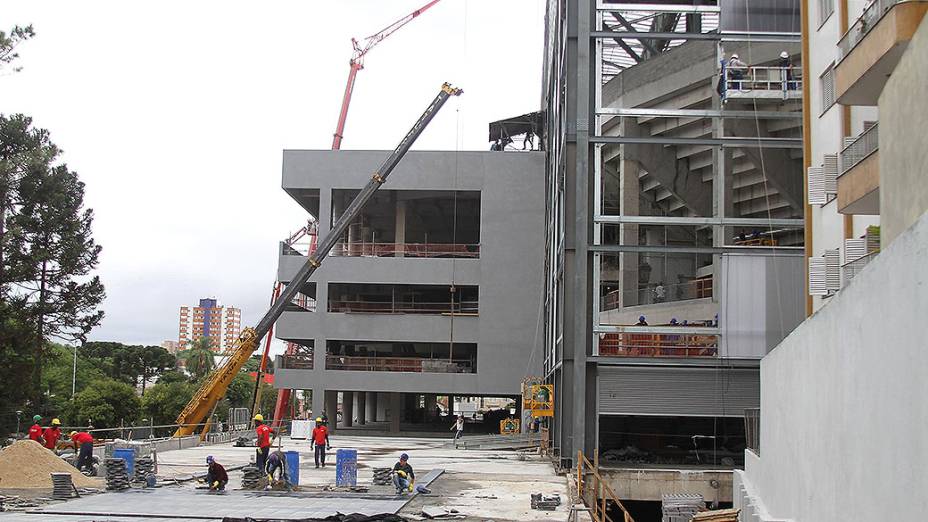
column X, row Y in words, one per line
column 74, row 370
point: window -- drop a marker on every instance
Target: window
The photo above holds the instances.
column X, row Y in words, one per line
column 825, row 8
column 828, row 87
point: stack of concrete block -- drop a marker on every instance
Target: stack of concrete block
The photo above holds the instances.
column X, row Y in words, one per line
column 117, row 478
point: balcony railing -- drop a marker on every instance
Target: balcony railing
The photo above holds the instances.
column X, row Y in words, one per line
column 744, row 82
column 867, row 20
column 658, row 345
column 298, row 357
column 397, row 364
column 696, row 289
column 852, row 268
column 858, row 150
column 362, row 249
column 368, row 307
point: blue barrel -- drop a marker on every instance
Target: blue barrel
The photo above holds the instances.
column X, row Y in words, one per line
column 346, row 467
column 293, row 466
column 128, row 455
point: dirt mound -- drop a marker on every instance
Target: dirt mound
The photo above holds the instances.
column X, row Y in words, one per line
column 26, row 464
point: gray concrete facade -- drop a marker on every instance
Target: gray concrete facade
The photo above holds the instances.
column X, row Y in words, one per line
column 508, row 274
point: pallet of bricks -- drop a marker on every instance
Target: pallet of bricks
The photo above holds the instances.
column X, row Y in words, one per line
column 719, row 515
column 681, row 507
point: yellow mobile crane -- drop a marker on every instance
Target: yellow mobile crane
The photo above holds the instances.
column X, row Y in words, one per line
column 200, row 407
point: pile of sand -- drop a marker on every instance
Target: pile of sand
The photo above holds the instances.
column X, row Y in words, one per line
column 26, row 464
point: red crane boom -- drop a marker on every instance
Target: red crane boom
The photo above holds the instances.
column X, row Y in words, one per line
column 357, row 63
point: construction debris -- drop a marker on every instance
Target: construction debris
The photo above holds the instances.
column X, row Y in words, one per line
column 117, row 478
column 25, row 464
column 441, row 513
column 353, row 489
column 545, row 502
column 719, row 515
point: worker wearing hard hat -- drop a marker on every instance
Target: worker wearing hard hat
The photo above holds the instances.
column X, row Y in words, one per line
column 264, row 433
column 83, row 444
column 319, row 440
column 52, row 434
column 35, row 431
column 216, row 476
column 737, row 68
column 403, row 475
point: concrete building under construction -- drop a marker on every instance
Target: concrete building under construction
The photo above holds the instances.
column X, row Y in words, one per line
column 434, row 291
column 675, row 231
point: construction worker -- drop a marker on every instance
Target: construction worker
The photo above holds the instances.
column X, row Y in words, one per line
column 83, row 445
column 52, row 434
column 403, row 475
column 737, row 68
column 263, row 431
column 277, row 462
column 216, row 476
column 35, row 431
column 319, row 440
column 458, row 428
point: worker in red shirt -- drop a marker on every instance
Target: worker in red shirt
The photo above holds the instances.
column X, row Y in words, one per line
column 35, row 431
column 52, row 434
column 264, row 433
column 83, row 444
column 319, row 440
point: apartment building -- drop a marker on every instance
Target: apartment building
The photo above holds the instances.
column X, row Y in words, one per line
column 435, row 290
column 837, row 436
column 675, row 244
column 221, row 324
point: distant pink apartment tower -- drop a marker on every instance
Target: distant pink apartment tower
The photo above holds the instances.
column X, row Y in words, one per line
column 221, row 324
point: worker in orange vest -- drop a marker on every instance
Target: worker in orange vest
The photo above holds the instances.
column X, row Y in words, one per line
column 264, row 433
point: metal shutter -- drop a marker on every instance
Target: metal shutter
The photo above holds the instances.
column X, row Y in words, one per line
column 678, row 391
column 832, row 270
column 854, row 249
column 817, row 285
column 830, row 175
column 816, row 189
column 828, row 88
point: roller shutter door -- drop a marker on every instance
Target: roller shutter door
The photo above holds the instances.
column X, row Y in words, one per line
column 676, row 391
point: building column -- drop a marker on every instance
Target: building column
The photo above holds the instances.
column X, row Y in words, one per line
column 347, row 408
column 400, row 233
column 318, row 401
column 362, row 408
column 331, row 409
column 371, row 412
column 395, row 411
column 382, row 404
column 431, row 401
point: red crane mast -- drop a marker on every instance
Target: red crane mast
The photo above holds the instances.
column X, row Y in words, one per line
column 357, row 63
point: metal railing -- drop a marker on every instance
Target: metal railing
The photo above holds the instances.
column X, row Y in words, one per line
column 752, row 429
column 763, row 78
column 401, row 307
column 872, row 14
column 852, row 268
column 304, row 302
column 866, row 144
column 299, row 360
column 364, row 249
column 601, row 497
column 695, row 289
column 658, row 345
column 397, row 364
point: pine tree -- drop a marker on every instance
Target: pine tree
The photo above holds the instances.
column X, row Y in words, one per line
column 46, row 249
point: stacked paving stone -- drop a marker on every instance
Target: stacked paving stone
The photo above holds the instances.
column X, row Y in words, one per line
column 62, row 487
column 117, row 478
column 143, row 467
column 382, row 477
column 251, row 477
column 681, row 507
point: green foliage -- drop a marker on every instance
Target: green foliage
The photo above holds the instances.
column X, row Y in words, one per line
column 165, row 400
column 198, row 358
column 47, row 252
column 131, row 364
column 170, row 376
column 254, row 362
column 106, row 403
column 17, row 339
column 57, row 371
column 9, row 42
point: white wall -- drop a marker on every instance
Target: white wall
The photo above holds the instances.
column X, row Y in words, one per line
column 844, row 416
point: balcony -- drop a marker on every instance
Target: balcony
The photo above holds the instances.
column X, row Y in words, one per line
column 364, row 249
column 658, row 345
column 398, row 364
column 765, row 83
column 698, row 288
column 859, row 176
column 373, row 307
column 871, row 48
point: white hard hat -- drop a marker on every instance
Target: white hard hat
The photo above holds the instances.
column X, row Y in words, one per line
column 734, row 55
column 784, row 54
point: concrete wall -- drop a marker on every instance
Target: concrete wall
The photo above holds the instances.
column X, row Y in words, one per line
column 843, row 415
column 509, row 272
column 903, row 155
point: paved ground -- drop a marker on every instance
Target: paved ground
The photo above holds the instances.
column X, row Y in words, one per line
column 481, row 484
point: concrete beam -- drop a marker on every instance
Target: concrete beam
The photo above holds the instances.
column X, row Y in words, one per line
column 652, row 484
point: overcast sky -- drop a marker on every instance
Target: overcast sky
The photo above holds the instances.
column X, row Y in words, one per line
column 175, row 114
